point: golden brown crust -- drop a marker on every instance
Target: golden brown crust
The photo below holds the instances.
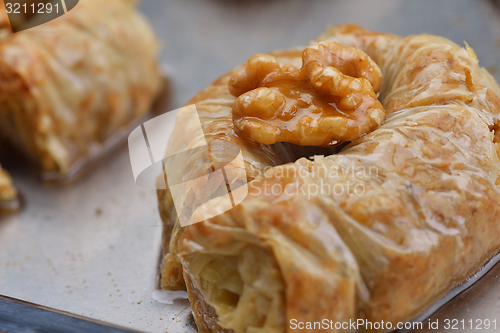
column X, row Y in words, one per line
column 171, row 275
column 204, row 314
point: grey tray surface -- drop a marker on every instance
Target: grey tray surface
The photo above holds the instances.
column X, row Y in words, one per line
column 92, row 248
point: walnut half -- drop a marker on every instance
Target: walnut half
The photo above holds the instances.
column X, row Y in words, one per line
column 331, row 99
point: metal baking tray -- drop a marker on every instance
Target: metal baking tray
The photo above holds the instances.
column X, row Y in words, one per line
column 92, row 248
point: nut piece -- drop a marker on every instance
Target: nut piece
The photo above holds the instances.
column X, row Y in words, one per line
column 331, row 99
column 253, row 73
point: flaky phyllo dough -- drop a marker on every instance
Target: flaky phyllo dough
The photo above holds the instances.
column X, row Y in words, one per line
column 69, row 85
column 403, row 214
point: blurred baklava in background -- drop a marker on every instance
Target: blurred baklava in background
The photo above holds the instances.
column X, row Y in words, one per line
column 73, row 87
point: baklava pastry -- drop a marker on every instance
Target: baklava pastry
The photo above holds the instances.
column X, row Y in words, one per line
column 72, row 87
column 379, row 231
column 8, row 193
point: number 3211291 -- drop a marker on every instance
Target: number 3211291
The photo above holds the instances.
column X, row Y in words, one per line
column 478, row 324
column 40, row 8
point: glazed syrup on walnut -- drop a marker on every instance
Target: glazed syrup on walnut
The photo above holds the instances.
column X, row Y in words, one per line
column 331, row 99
